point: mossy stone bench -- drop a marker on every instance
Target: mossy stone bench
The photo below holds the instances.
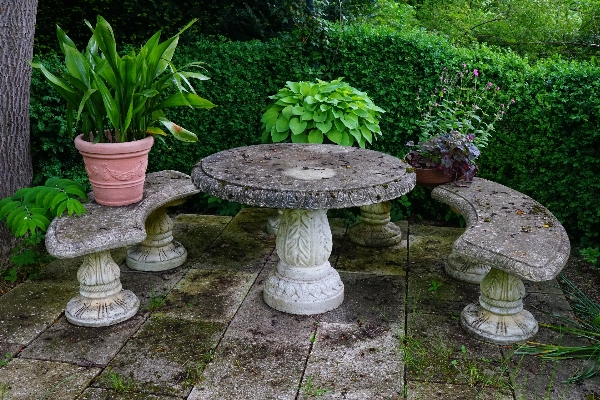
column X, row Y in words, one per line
column 509, row 237
column 101, row 300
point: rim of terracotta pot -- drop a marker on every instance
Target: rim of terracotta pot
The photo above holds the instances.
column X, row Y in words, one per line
column 113, row 148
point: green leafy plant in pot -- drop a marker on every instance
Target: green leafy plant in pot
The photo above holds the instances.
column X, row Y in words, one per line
column 117, row 103
column 455, row 124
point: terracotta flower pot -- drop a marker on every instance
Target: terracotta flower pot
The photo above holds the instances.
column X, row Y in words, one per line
column 431, row 177
column 116, row 170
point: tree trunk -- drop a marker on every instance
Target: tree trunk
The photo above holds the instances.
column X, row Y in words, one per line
column 17, row 28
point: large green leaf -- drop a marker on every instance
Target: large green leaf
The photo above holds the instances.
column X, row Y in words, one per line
column 77, row 65
column 287, row 112
column 282, row 124
column 110, row 104
column 296, row 126
column 269, row 118
column 350, row 120
column 367, row 134
column 315, row 136
column 178, row 132
column 334, row 135
column 319, row 116
column 105, row 38
column 324, row 126
column 184, row 99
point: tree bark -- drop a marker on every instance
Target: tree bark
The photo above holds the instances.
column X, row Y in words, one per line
column 17, row 28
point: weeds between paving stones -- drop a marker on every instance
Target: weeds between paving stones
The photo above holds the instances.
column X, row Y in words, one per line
column 4, row 392
column 5, row 360
column 120, row 384
column 193, row 373
column 155, row 301
column 309, row 390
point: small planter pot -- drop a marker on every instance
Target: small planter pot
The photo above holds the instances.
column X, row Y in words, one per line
column 431, row 177
column 117, row 171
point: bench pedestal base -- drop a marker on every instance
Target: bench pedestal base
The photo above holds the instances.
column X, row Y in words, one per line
column 101, row 300
column 303, row 281
column 374, row 228
column 273, row 222
column 158, row 252
column 499, row 318
column 464, row 270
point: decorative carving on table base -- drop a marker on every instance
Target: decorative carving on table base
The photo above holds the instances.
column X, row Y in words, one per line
column 158, row 252
column 303, row 281
column 273, row 222
column 101, row 300
column 465, row 270
column 499, row 318
column 374, row 228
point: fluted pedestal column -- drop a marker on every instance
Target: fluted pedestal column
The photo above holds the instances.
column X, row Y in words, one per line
column 101, row 300
column 465, row 270
column 374, row 228
column 303, row 281
column 499, row 318
column 158, row 252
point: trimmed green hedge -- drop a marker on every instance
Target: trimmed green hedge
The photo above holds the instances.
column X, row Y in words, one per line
column 546, row 147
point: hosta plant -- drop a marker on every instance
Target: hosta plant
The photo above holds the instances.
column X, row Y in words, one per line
column 125, row 95
column 309, row 112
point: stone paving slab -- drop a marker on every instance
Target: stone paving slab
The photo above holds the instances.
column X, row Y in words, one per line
column 428, row 245
column 151, row 287
column 432, row 391
column 31, row 307
column 369, row 299
column 102, row 394
column 383, row 260
column 208, row 295
column 257, row 369
column 166, row 356
column 244, row 246
column 36, row 379
column 255, row 321
column 80, row 345
column 354, row 361
column 197, row 232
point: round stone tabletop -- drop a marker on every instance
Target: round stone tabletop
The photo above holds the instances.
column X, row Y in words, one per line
column 303, row 176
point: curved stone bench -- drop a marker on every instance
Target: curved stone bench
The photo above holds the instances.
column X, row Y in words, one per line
column 513, row 237
column 102, row 301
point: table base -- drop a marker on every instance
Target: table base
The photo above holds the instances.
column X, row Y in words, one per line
column 301, row 296
column 303, row 281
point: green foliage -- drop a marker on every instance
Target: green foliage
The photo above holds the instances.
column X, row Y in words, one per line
column 312, row 111
column 222, row 207
column 462, row 102
column 28, row 213
column 545, row 148
column 128, row 92
column 537, row 28
column 591, row 255
column 587, row 325
column 30, row 210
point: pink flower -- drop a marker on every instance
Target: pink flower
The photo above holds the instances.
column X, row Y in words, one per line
column 498, row 88
column 475, row 72
column 512, row 101
column 464, row 65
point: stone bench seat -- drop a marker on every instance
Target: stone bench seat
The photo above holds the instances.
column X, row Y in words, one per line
column 508, row 237
column 102, row 301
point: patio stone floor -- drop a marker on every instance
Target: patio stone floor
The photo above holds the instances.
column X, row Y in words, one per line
column 204, row 332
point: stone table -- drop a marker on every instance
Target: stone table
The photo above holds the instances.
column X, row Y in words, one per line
column 305, row 180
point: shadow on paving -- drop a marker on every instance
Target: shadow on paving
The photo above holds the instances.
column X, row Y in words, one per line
column 204, row 331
